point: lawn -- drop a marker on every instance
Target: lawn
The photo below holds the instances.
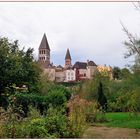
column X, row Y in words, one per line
column 118, row 126
column 124, row 120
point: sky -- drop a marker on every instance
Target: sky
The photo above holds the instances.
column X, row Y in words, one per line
column 91, row 30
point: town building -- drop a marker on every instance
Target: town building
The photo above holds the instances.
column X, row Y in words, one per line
column 67, row 73
column 85, row 70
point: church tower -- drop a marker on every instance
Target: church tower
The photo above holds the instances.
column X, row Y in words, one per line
column 67, row 59
column 44, row 52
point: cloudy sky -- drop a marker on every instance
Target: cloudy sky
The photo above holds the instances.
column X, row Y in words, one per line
column 91, row 30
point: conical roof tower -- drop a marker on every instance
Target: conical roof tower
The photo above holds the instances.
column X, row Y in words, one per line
column 68, row 55
column 67, row 59
column 44, row 52
column 44, row 43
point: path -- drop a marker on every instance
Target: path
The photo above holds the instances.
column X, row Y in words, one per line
column 111, row 133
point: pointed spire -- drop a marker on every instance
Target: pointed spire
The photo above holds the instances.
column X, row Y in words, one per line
column 68, row 55
column 44, row 43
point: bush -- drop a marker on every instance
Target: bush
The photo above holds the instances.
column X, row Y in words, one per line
column 54, row 125
column 61, row 89
column 57, row 96
column 36, row 129
column 123, row 95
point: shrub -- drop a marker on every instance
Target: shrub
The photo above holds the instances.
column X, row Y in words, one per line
column 8, row 121
column 55, row 97
column 56, row 122
column 66, row 92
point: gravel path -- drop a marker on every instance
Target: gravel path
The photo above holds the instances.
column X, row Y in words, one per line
column 111, row 133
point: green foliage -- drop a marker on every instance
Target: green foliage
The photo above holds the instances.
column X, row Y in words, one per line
column 120, row 74
column 47, row 87
column 59, row 88
column 56, row 122
column 124, row 95
column 8, row 121
column 54, row 125
column 83, row 112
column 17, row 66
column 101, row 97
column 90, row 88
column 45, row 84
column 116, row 73
column 57, row 96
column 94, row 113
column 77, row 115
column 125, row 73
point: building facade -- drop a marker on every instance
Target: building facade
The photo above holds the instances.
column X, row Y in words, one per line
column 85, row 70
column 69, row 73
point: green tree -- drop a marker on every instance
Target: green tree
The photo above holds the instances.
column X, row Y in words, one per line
column 116, row 73
column 125, row 73
column 101, row 97
column 17, row 67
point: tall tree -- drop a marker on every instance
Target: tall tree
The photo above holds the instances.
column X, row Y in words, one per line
column 16, row 66
column 101, row 97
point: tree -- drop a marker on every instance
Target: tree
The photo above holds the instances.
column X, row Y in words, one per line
column 17, row 67
column 101, row 97
column 125, row 73
column 116, row 73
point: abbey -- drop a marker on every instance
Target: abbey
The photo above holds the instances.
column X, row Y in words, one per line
column 68, row 72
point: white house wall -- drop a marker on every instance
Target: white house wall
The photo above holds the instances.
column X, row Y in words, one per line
column 70, row 75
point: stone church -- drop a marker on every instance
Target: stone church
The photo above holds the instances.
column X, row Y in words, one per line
column 68, row 72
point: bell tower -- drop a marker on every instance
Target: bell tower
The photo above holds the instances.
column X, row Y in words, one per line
column 44, row 52
column 67, row 59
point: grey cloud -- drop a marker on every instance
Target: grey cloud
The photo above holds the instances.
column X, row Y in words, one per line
column 89, row 30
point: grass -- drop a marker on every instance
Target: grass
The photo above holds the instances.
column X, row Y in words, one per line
column 124, row 120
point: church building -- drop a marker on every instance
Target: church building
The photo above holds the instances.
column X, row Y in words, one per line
column 44, row 52
column 68, row 73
